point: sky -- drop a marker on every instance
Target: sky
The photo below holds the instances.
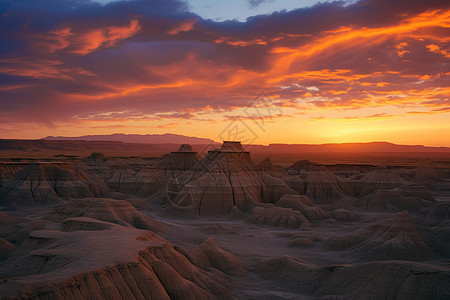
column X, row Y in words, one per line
column 258, row 71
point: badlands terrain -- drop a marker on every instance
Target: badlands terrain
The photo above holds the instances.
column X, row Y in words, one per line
column 224, row 225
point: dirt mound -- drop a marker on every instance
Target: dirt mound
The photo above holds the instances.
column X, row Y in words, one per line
column 436, row 219
column 426, row 174
column 46, row 183
column 108, row 210
column 344, row 215
column 210, row 255
column 8, row 170
column 15, row 229
column 395, row 238
column 127, row 175
column 436, row 214
column 391, row 201
column 6, row 249
column 303, row 204
column 320, row 185
column 9, row 224
column 416, row 190
column 96, row 156
column 301, row 242
column 372, row 281
column 134, row 180
column 121, row 264
column 84, row 223
column 299, row 166
column 278, row 217
column 377, row 180
column 267, row 167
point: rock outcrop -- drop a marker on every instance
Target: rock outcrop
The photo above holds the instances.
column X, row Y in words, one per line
column 141, row 181
column 426, row 174
column 108, row 210
column 84, row 223
column 278, row 217
column 377, row 180
column 224, row 179
column 6, row 249
column 391, row 201
column 303, row 204
column 437, row 214
column 178, row 162
column 47, row 184
column 436, row 220
column 209, row 255
column 9, row 169
column 267, row 167
column 343, row 215
column 371, row 281
column 127, row 264
column 319, row 184
column 16, row 229
column 127, row 175
column 391, row 239
column 300, row 166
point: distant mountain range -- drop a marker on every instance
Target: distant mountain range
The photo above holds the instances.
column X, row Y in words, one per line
column 167, row 138
column 346, row 148
column 164, row 143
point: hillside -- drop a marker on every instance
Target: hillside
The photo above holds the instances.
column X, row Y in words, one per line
column 167, row 138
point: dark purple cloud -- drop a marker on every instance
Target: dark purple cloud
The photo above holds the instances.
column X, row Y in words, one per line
column 62, row 59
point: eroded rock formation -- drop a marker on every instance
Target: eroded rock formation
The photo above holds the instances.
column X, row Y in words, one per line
column 224, row 179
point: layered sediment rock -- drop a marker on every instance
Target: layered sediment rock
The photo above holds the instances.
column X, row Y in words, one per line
column 303, row 204
column 426, row 174
column 278, row 217
column 319, row 184
column 127, row 264
column 377, row 180
column 6, row 249
column 224, row 179
column 127, row 175
column 372, row 281
column 9, row 169
column 392, row 201
column 391, row 239
column 108, row 210
column 141, row 181
column 178, row 162
column 267, row 167
column 436, row 220
column 47, row 184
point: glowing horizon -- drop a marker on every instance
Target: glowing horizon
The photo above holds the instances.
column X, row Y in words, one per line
column 331, row 73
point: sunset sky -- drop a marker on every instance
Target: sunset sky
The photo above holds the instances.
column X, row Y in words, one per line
column 337, row 71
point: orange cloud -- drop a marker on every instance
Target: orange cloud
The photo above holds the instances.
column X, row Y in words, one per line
column 183, row 27
column 105, row 37
column 436, row 49
column 89, row 41
column 352, row 37
column 324, row 75
column 14, row 86
column 40, row 69
column 401, row 49
column 57, row 39
column 258, row 41
column 169, row 125
column 355, row 118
